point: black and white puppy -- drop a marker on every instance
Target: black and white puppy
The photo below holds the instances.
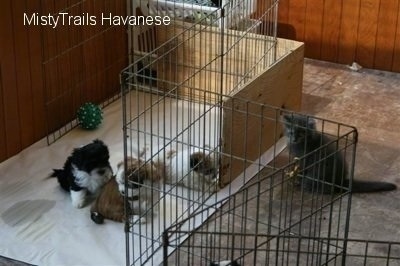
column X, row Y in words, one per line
column 87, row 169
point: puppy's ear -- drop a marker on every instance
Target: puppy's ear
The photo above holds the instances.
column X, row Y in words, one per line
column 195, row 160
column 77, row 155
column 137, row 176
column 97, row 141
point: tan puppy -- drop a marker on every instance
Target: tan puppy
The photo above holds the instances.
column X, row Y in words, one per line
column 110, row 202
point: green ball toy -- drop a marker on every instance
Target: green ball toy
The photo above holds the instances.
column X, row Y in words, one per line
column 89, row 116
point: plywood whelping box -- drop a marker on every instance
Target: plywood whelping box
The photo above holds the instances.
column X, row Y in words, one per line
column 279, row 86
column 196, row 59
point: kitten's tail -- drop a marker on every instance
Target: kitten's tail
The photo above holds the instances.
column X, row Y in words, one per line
column 371, row 186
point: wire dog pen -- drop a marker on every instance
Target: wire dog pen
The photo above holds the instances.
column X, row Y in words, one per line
column 189, row 90
column 222, row 185
column 270, row 220
column 261, row 196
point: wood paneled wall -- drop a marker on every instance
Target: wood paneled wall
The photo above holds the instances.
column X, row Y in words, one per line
column 46, row 73
column 345, row 31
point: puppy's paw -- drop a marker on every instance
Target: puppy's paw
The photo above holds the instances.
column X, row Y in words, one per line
column 97, row 217
column 215, row 186
column 78, row 204
column 121, row 189
column 138, row 219
column 78, row 198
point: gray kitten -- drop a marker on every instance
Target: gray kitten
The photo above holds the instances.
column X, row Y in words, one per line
column 327, row 175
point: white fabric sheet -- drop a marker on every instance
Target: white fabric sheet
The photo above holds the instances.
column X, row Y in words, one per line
column 38, row 223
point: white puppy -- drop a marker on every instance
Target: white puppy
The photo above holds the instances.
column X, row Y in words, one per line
column 193, row 168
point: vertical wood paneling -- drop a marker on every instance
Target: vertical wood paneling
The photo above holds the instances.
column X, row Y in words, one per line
column 76, row 57
column 64, row 86
column 35, row 69
column 283, row 18
column 388, row 12
column 49, row 83
column 396, row 52
column 297, row 13
column 88, row 48
column 93, row 68
column 100, row 47
column 330, row 33
column 10, row 94
column 50, row 47
column 313, row 28
column 348, row 31
column 22, row 66
column 3, row 49
column 3, row 151
column 344, row 31
column 59, row 5
column 83, row 62
column 108, row 53
column 46, row 73
column 367, row 29
column 117, row 65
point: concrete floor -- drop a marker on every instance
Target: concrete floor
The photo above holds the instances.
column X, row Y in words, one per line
column 370, row 101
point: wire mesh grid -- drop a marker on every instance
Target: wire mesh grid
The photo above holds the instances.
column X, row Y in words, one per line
column 77, row 64
column 172, row 95
column 281, row 250
column 198, row 49
column 199, row 143
column 206, row 11
column 271, row 220
column 241, row 144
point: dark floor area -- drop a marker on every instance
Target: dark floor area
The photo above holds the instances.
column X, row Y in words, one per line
column 370, row 101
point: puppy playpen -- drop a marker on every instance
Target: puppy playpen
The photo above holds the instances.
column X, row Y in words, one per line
column 217, row 79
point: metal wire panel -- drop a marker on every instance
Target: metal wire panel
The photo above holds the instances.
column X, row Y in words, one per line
column 270, row 220
column 194, row 227
column 78, row 63
column 180, row 104
column 249, row 35
column 284, row 250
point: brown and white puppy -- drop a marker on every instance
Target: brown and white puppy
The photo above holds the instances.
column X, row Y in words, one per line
column 193, row 168
column 109, row 204
column 136, row 183
column 138, row 173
